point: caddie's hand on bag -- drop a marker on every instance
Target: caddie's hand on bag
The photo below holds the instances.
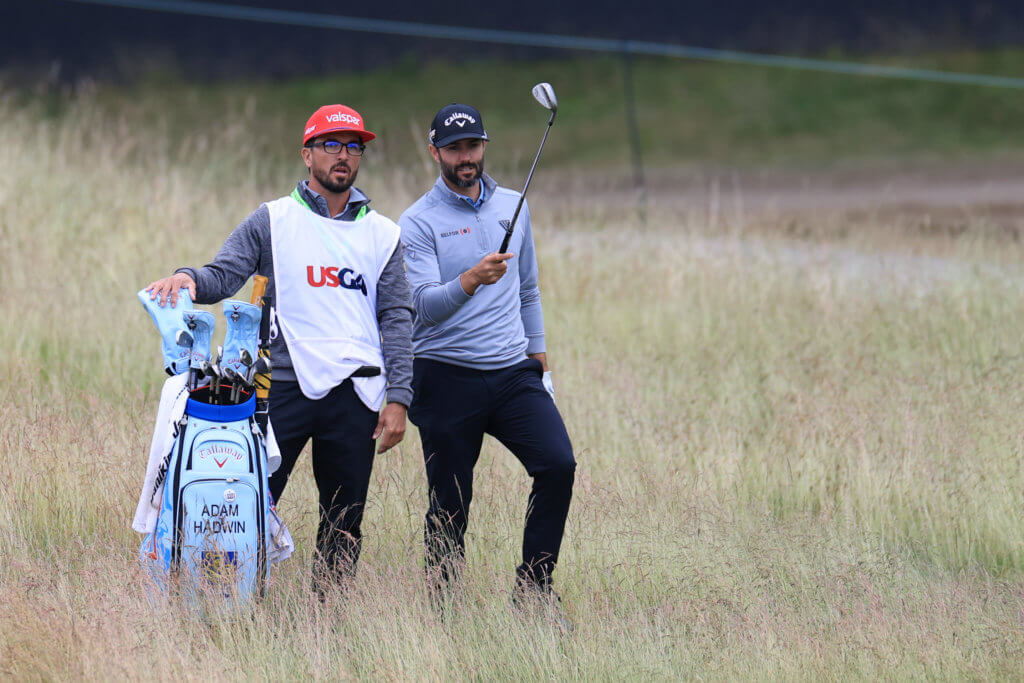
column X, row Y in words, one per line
column 390, row 427
column 169, row 286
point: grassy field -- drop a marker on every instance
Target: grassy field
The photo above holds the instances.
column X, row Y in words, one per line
column 799, row 448
column 688, row 112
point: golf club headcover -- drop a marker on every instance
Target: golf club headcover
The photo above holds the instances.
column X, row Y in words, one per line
column 168, row 323
column 243, row 321
column 200, row 325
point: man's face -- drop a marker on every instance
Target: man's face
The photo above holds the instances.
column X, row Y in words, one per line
column 334, row 172
column 462, row 162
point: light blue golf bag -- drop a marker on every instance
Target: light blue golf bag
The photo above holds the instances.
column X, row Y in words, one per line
column 213, row 530
column 212, row 533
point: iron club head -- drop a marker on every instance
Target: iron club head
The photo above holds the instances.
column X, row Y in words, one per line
column 260, row 367
column 235, row 379
column 209, row 370
column 216, row 373
column 545, row 94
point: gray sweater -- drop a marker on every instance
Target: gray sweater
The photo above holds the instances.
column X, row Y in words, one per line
column 248, row 251
column 444, row 236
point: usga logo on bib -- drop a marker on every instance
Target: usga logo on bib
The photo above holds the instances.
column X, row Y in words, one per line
column 336, row 277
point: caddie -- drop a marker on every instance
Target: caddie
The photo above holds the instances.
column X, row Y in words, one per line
column 341, row 301
column 480, row 359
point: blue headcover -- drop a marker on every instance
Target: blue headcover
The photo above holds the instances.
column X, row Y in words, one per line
column 243, row 321
column 168, row 322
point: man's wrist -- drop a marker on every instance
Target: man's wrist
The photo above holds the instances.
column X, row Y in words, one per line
column 469, row 282
column 187, row 272
column 399, row 395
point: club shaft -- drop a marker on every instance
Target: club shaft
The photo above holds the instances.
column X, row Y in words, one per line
column 526, row 186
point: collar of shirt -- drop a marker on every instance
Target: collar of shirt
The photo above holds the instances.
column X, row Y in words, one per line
column 476, row 203
column 487, row 187
column 356, row 201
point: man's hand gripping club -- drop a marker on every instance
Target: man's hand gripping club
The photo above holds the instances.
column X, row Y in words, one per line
column 487, row 272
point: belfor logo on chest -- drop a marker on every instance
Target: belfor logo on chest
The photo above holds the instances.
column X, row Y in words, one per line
column 331, row 276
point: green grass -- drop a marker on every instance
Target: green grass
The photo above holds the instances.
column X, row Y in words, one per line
column 799, row 451
column 688, row 111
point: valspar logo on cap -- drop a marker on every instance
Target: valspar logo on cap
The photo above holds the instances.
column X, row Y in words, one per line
column 344, row 118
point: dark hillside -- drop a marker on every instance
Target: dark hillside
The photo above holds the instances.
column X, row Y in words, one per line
column 68, row 40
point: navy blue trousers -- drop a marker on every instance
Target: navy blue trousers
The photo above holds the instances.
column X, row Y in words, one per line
column 454, row 407
column 341, row 428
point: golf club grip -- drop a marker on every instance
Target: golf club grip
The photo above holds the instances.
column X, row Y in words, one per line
column 262, row 380
column 259, row 288
column 512, row 224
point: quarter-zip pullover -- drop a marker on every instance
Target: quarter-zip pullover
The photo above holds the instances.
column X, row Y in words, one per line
column 444, row 236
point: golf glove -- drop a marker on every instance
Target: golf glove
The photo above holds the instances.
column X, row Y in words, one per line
column 549, row 385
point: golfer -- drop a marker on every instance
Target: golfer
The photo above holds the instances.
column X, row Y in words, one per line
column 480, row 364
column 342, row 301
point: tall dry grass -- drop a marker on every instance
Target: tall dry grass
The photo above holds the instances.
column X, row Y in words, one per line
column 799, row 456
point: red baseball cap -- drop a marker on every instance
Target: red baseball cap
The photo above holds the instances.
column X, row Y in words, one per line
column 334, row 117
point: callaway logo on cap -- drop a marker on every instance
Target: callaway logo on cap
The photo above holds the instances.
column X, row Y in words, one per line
column 456, row 122
column 335, row 117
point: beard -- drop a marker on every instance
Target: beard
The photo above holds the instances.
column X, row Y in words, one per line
column 336, row 186
column 451, row 173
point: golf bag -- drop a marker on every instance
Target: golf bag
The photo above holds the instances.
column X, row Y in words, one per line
column 205, row 508
column 212, row 532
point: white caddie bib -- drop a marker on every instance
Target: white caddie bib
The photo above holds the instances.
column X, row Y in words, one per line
column 326, row 274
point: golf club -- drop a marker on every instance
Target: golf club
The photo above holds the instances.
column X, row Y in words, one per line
column 216, row 376
column 219, row 366
column 236, row 383
column 209, row 370
column 545, row 94
column 241, row 375
column 260, row 367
